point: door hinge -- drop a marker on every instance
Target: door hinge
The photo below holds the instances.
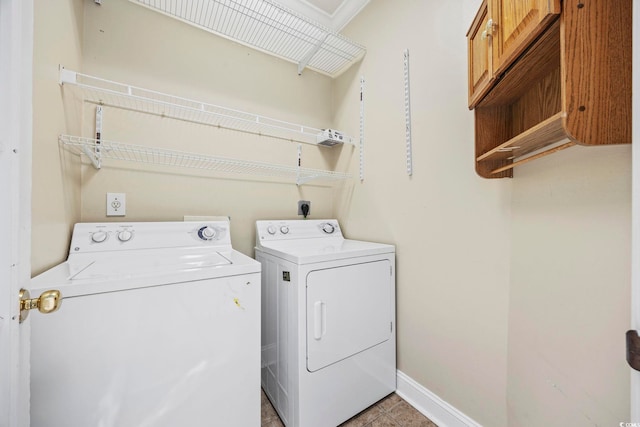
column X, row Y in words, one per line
column 633, row 349
column 47, row 302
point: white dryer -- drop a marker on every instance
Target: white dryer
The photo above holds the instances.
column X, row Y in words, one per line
column 159, row 326
column 328, row 321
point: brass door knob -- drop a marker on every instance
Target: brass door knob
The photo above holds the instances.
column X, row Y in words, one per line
column 47, row 302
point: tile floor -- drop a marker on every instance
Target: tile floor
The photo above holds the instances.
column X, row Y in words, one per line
column 392, row 411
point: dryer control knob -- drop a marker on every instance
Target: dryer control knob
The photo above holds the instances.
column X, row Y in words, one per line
column 328, row 228
column 99, row 236
column 125, row 235
column 271, row 230
column 284, row 229
column 207, row 233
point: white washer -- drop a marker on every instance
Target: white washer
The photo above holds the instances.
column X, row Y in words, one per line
column 159, row 326
column 328, row 321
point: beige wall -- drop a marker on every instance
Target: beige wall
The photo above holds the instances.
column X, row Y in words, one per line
column 122, row 41
column 570, row 289
column 451, row 228
column 511, row 310
column 56, row 176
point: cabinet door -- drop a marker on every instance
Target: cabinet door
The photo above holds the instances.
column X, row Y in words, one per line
column 479, row 50
column 516, row 23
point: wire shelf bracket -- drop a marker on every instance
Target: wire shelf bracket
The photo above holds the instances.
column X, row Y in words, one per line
column 164, row 157
column 120, row 95
column 269, row 27
column 305, row 61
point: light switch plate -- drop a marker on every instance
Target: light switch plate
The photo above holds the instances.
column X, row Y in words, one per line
column 116, row 204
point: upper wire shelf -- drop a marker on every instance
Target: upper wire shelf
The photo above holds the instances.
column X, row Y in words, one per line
column 269, row 27
column 120, row 95
column 97, row 150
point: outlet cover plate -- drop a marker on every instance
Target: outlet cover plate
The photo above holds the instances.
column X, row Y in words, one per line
column 303, row 202
column 116, row 204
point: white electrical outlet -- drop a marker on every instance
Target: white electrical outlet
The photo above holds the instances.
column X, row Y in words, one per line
column 116, row 204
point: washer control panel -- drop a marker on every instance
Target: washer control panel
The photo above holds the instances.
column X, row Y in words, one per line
column 297, row 229
column 99, row 237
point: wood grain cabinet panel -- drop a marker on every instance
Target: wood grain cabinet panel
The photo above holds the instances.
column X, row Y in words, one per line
column 516, row 23
column 479, row 48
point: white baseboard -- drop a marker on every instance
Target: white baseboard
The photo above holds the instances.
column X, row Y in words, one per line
column 429, row 404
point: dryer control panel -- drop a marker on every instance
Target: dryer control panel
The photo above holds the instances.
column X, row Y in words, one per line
column 297, row 229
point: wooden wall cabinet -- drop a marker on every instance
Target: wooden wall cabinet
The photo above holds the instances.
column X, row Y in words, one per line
column 544, row 76
column 501, row 31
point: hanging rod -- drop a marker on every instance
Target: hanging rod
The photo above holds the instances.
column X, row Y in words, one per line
column 269, row 27
column 164, row 157
column 120, row 95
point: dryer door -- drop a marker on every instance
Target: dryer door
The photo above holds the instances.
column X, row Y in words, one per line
column 348, row 311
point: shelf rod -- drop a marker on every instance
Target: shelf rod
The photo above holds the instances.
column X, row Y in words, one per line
column 549, row 130
column 534, row 157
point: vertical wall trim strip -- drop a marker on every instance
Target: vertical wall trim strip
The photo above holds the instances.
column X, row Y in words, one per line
column 407, row 113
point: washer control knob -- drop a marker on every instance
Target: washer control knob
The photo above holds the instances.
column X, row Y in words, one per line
column 207, row 233
column 125, row 235
column 99, row 236
column 328, row 228
column 271, row 230
column 284, row 229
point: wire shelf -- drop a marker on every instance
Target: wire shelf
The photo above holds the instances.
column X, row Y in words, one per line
column 120, row 95
column 269, row 27
column 97, row 150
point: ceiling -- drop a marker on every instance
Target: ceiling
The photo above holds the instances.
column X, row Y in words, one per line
column 334, row 14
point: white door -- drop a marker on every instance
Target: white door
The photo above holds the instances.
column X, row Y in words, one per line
column 16, row 47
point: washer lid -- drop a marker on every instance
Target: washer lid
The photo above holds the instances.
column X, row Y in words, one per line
column 124, row 265
column 307, row 251
column 91, row 273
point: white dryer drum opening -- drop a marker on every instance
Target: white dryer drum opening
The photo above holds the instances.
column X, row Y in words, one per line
column 348, row 311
